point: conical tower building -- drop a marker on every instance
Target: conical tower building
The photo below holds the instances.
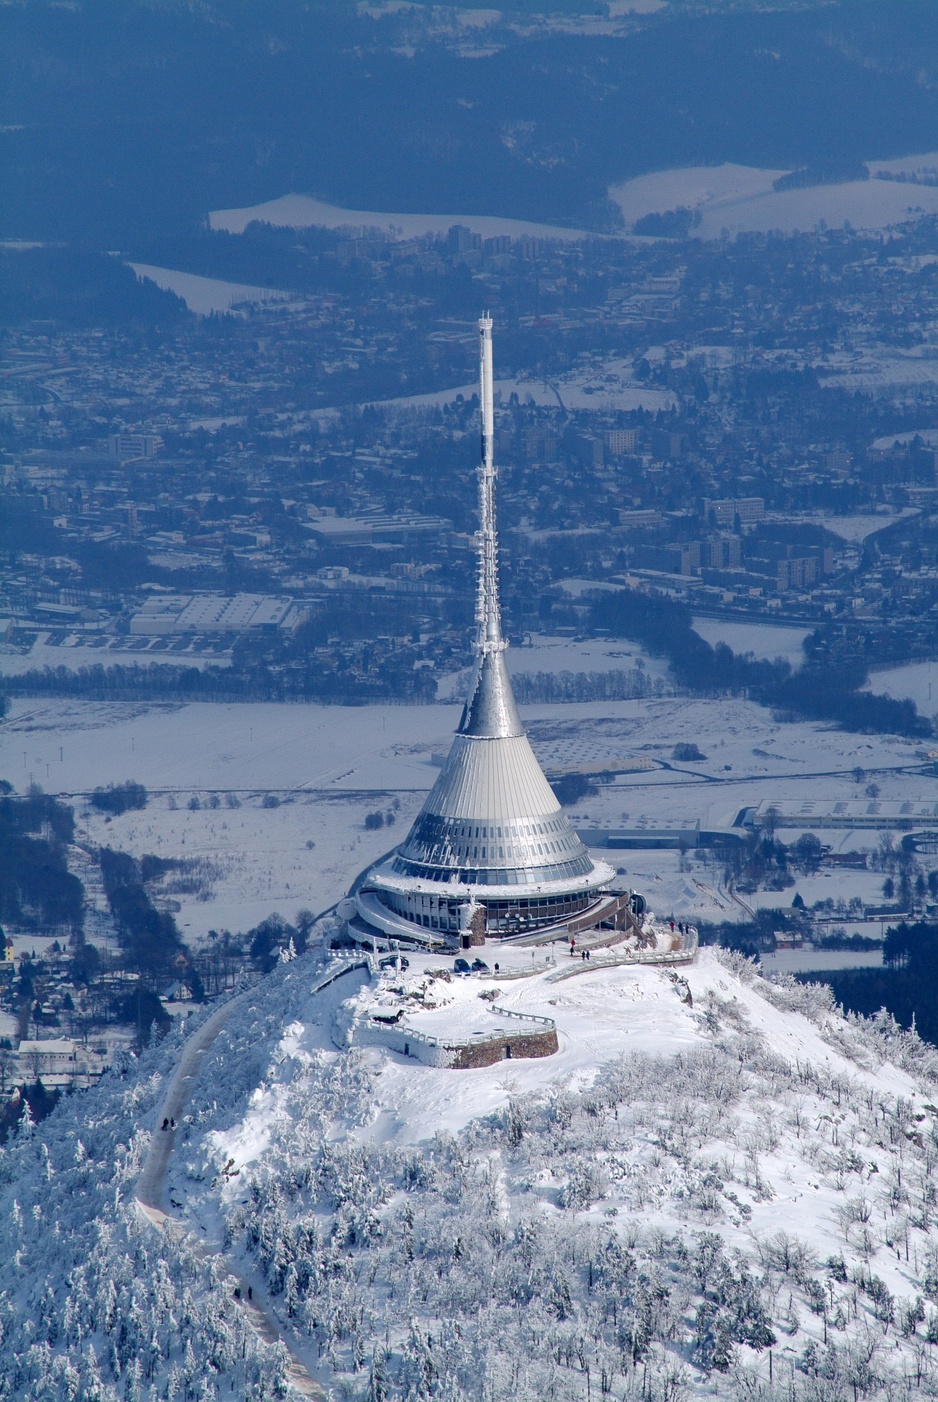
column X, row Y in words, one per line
column 491, row 850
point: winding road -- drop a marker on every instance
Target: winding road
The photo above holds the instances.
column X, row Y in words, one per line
column 151, row 1196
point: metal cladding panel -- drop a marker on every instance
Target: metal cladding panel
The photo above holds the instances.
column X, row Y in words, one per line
column 492, row 780
column 491, row 710
column 492, row 818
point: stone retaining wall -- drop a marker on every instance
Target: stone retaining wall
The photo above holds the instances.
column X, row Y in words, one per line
column 520, row 1046
column 459, row 1056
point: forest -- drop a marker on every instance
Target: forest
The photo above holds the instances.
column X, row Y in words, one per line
column 604, row 1236
column 37, row 891
column 94, row 1303
column 828, row 691
column 907, row 984
column 75, row 287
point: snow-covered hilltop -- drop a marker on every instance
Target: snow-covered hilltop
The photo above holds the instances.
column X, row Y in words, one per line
column 710, row 1170
column 716, row 1187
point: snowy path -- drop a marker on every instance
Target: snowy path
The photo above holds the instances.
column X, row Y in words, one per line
column 151, row 1192
column 152, row 1182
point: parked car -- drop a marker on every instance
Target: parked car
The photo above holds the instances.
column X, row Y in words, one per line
column 390, row 961
column 461, row 966
column 479, row 966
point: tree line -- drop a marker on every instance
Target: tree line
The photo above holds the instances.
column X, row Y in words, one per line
column 309, row 682
column 828, row 692
column 907, row 984
column 616, row 684
column 119, row 798
column 36, row 888
column 149, row 938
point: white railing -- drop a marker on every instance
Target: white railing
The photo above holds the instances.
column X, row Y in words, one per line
column 685, row 955
column 338, row 968
column 546, row 1024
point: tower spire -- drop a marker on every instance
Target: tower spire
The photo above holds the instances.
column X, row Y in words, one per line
column 488, row 610
column 490, row 708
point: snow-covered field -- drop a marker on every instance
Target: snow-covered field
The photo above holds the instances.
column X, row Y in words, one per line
column 830, row 885
column 691, row 187
column 609, row 388
column 205, row 295
column 881, row 369
column 741, row 199
column 175, row 747
column 302, row 211
column 330, row 766
column 762, row 639
column 263, row 857
column 857, row 528
column 917, row 681
column 80, row 650
column 543, row 653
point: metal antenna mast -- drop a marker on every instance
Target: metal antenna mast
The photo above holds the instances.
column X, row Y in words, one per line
column 488, row 613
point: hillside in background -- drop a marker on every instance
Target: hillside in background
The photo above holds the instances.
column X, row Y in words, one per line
column 117, row 119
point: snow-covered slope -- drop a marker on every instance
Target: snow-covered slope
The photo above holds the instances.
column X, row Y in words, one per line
column 718, row 1187
column 95, row 1305
column 303, row 212
column 205, row 295
column 743, row 199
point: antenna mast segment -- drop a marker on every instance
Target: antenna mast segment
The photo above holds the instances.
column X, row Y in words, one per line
column 488, row 614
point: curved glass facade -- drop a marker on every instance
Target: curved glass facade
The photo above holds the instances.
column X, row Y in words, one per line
column 502, row 917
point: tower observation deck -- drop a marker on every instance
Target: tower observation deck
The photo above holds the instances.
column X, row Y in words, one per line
column 491, row 850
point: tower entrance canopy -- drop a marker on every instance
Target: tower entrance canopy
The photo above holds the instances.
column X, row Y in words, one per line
column 491, row 832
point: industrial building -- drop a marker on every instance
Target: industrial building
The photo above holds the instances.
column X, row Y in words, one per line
column 847, row 814
column 213, row 613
